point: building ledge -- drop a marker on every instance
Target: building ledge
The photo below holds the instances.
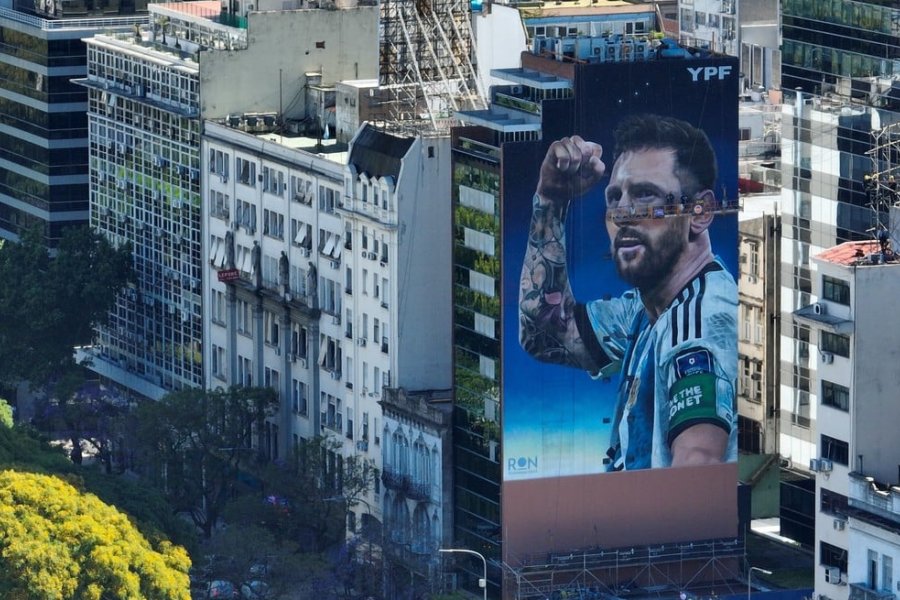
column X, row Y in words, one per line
column 815, row 315
column 861, row 591
column 880, row 500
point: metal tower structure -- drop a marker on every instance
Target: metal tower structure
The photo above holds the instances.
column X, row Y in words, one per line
column 883, row 183
column 426, row 62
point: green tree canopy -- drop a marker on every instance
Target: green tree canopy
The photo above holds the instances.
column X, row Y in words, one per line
column 57, row 543
column 51, row 303
column 194, row 442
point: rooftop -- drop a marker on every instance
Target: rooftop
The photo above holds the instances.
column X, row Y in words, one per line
column 857, row 254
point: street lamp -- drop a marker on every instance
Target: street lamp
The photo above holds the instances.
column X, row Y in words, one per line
column 750, row 572
column 482, row 583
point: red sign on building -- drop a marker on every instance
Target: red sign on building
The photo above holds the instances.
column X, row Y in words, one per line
column 229, row 275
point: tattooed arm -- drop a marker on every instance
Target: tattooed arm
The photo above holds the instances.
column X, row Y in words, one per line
column 548, row 314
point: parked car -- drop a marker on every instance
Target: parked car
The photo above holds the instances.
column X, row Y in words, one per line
column 221, row 589
column 255, row 590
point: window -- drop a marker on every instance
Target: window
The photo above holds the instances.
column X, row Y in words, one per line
column 218, row 362
column 246, row 171
column 330, row 354
column 272, row 327
column 835, row 343
column 754, row 261
column 244, row 318
column 327, row 197
column 887, row 573
column 835, row 396
column 271, row 379
column 298, row 340
column 832, row 556
column 245, row 371
column 217, row 307
column 298, row 397
column 836, row 290
column 833, row 503
column 246, row 216
column 835, row 450
column 332, row 416
column 273, row 224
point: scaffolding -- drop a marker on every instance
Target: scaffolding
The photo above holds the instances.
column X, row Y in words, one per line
column 661, row 570
column 883, row 181
column 426, row 62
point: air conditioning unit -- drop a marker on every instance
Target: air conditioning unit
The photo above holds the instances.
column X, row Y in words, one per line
column 832, row 575
column 362, row 446
column 335, row 264
column 361, row 341
column 335, row 375
column 814, row 465
column 825, row 465
column 819, row 309
column 826, row 357
column 304, row 252
column 372, row 256
column 301, row 362
column 839, row 524
column 277, row 351
column 336, row 320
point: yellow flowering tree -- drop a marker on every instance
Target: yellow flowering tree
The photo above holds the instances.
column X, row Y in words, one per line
column 57, row 543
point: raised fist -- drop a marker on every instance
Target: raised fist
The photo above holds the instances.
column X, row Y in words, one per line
column 571, row 168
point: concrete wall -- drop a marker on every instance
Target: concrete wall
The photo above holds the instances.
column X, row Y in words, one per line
column 424, row 319
column 283, row 46
column 500, row 36
column 875, row 378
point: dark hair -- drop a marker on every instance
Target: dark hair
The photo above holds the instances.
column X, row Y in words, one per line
column 695, row 159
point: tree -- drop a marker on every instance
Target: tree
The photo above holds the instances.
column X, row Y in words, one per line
column 320, row 486
column 21, row 450
column 50, row 304
column 194, row 441
column 58, row 543
column 6, row 414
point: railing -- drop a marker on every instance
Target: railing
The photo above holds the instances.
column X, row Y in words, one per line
column 860, row 591
column 59, row 24
column 515, row 103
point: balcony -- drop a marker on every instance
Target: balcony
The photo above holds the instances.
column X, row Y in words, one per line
column 873, row 497
column 423, row 492
column 394, row 480
column 860, row 591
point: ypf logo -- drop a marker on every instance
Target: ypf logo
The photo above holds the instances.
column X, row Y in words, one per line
column 709, row 73
column 522, row 464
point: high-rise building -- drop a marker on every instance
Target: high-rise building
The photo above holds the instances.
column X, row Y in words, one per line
column 839, row 70
column 838, row 75
column 855, row 469
column 541, row 533
column 44, row 132
column 145, row 123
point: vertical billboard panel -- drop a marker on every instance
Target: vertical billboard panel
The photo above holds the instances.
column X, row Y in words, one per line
column 620, row 313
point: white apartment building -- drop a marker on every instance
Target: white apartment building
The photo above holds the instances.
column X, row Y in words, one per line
column 144, row 131
column 747, row 29
column 327, row 277
column 146, row 109
column 855, row 429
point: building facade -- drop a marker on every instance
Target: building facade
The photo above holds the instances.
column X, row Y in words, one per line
column 837, row 93
column 44, row 132
column 856, row 463
column 314, row 250
column 145, row 119
column 748, row 29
